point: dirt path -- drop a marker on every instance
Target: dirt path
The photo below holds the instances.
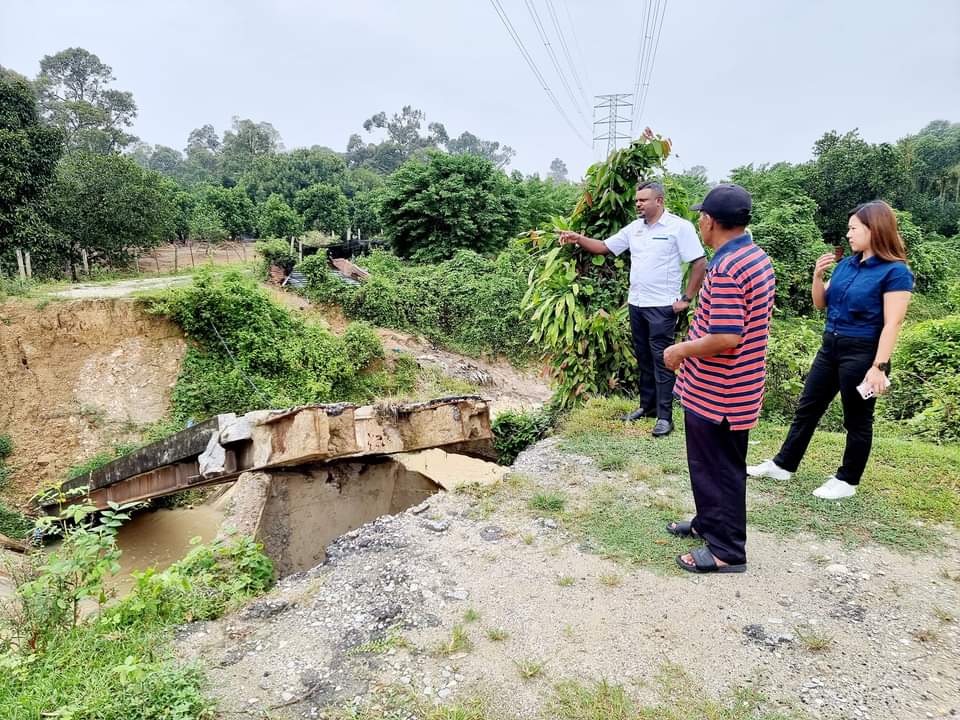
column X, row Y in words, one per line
column 531, row 596
column 120, row 288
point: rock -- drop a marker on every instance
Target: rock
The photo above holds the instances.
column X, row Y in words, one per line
column 420, row 509
column 437, row 526
column 458, row 594
column 492, row 533
column 263, row 609
column 310, row 677
column 837, row 569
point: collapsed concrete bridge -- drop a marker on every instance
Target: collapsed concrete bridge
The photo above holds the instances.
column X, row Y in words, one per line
column 307, row 474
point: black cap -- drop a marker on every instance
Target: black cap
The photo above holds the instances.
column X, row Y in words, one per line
column 727, row 203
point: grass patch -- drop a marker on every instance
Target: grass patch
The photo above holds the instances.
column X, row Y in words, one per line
column 565, row 581
column 813, row 640
column 459, row 642
column 908, row 487
column 497, row 634
column 679, row 698
column 632, row 529
column 95, row 672
column 471, row 615
column 529, row 669
column 942, row 615
column 551, row 502
column 612, row 580
column 392, row 639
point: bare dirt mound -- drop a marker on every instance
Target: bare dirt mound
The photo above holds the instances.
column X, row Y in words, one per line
column 78, row 376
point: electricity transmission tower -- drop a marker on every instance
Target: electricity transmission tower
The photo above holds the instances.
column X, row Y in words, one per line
column 609, row 127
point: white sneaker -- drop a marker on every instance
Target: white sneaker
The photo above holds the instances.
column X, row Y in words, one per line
column 769, row 469
column 834, row 489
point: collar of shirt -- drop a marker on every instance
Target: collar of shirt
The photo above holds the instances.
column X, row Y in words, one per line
column 729, row 247
column 869, row 262
column 664, row 218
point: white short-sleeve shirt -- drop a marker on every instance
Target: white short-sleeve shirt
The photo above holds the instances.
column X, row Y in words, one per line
column 656, row 252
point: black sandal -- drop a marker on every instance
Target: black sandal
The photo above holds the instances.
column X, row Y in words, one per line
column 682, row 528
column 704, row 562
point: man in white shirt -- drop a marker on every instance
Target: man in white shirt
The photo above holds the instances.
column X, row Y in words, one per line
column 659, row 242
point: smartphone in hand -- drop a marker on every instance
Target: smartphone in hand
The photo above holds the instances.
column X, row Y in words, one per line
column 837, row 253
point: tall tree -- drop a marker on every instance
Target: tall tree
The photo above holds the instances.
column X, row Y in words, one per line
column 288, row 173
column 244, row 143
column 433, row 207
column 468, row 143
column 29, row 151
column 277, row 219
column 323, row 207
column 74, row 94
column 110, row 207
column 558, row 171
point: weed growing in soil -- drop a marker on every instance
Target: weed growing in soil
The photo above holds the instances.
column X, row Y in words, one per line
column 529, row 669
column 497, row 634
column 459, row 642
column 812, row 639
column 551, row 502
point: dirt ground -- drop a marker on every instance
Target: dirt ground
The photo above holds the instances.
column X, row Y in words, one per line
column 79, row 376
column 530, row 594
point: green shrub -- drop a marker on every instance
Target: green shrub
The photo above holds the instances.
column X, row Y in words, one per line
column 927, row 355
column 6, row 446
column 940, row 420
column 210, row 580
column 277, row 252
column 14, row 524
column 792, row 347
column 251, row 353
column 323, row 286
column 469, row 303
column 513, row 432
column 362, row 345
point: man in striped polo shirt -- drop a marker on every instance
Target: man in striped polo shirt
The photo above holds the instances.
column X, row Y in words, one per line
column 722, row 368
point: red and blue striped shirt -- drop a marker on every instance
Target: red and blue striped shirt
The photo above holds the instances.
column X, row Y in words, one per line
column 736, row 298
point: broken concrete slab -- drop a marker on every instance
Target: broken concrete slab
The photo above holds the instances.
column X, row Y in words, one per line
column 222, row 448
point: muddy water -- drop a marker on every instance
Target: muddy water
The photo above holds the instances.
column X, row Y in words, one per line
column 159, row 538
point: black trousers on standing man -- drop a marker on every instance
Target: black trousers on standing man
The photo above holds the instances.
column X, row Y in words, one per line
column 653, row 330
column 717, row 457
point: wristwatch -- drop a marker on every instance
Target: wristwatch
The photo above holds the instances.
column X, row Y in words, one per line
column 684, row 298
column 883, row 366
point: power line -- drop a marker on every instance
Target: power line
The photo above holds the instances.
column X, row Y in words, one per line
column 653, row 60
column 566, row 51
column 533, row 67
column 553, row 58
column 644, row 33
column 576, row 43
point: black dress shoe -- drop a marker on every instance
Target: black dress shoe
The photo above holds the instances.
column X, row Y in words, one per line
column 639, row 413
column 663, row 427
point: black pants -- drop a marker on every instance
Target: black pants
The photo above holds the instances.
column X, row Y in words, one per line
column 840, row 365
column 717, row 458
column 653, row 330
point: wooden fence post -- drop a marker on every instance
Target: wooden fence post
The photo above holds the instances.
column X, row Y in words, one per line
column 26, row 261
column 175, row 264
column 86, row 262
column 301, row 249
column 20, row 267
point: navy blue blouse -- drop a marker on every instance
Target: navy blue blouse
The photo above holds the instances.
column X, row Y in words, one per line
column 855, row 294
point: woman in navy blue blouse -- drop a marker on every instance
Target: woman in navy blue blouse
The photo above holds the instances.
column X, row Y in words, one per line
column 866, row 301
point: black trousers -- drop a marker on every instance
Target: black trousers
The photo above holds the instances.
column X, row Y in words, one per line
column 840, row 365
column 717, row 458
column 653, row 330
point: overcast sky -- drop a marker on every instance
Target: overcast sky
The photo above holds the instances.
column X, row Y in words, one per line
column 732, row 82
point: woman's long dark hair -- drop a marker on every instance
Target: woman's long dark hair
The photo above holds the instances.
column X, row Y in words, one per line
column 885, row 240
